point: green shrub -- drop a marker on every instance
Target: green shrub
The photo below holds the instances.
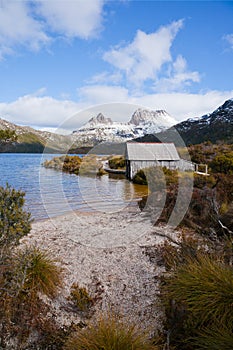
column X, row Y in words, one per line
column 7, row 136
column 70, row 164
column 116, row 162
column 223, row 163
column 80, row 297
column 140, row 178
column 201, row 181
column 14, row 220
column 156, row 177
column 90, row 165
column 109, row 333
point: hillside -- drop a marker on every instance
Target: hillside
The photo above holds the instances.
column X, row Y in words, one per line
column 29, row 140
column 215, row 127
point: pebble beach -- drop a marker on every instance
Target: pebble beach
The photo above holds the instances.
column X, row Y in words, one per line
column 112, row 255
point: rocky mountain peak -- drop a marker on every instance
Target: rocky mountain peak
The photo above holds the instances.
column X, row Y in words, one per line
column 225, row 111
column 143, row 116
column 100, row 119
column 142, row 122
column 228, row 104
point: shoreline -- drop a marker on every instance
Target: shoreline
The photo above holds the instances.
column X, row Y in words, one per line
column 132, row 204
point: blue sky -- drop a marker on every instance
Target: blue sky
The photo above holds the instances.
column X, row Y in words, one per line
column 60, row 57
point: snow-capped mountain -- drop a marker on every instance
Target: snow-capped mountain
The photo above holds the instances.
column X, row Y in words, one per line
column 99, row 121
column 142, row 122
column 215, row 126
column 150, row 122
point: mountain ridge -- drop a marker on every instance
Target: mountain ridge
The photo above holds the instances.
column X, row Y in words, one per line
column 142, row 121
column 144, row 125
column 214, row 127
column 30, row 140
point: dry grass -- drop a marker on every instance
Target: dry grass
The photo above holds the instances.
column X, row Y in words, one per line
column 110, row 333
column 39, row 273
column 216, row 337
column 206, row 287
column 80, row 297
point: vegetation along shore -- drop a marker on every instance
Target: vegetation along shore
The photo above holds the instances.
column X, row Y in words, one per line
column 89, row 280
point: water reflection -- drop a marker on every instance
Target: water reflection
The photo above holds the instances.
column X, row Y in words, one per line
column 51, row 193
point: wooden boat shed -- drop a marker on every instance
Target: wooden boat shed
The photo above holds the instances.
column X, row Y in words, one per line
column 144, row 155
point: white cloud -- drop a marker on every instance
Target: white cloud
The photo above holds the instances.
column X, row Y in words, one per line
column 17, row 27
column 229, row 39
column 104, row 77
column 145, row 56
column 72, row 18
column 180, row 105
column 40, row 111
column 45, row 112
column 178, row 77
column 98, row 94
column 186, row 105
column 20, row 24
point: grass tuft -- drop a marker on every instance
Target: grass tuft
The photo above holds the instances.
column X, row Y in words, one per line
column 40, row 272
column 109, row 333
column 206, row 287
column 217, row 337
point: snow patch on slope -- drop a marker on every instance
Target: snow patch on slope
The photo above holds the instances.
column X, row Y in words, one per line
column 142, row 122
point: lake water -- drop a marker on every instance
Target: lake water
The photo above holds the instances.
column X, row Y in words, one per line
column 51, row 193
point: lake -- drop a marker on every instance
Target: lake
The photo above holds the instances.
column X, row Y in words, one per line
column 50, row 192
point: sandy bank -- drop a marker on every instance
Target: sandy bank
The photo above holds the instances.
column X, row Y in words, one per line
column 112, row 255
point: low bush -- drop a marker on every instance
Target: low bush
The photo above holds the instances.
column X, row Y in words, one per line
column 7, row 136
column 157, row 178
column 116, row 162
column 198, row 296
column 38, row 272
column 140, row 178
column 80, row 297
column 15, row 222
column 223, row 163
column 70, row 164
column 90, row 165
column 109, row 333
column 29, row 274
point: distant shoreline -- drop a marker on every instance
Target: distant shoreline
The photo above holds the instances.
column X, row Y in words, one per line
column 35, row 149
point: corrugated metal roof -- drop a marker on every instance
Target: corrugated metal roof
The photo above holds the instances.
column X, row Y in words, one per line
column 151, row 151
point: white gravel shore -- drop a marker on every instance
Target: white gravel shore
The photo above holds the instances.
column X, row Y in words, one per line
column 109, row 254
